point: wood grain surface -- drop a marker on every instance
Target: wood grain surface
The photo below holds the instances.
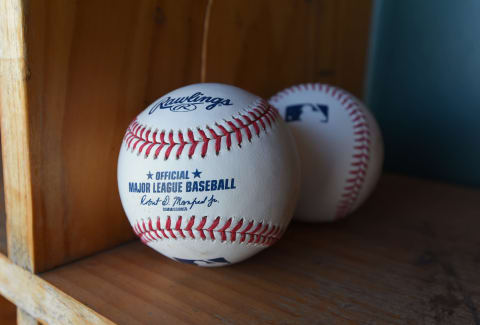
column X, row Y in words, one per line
column 175, row 55
column 265, row 46
column 15, row 135
column 411, row 255
column 92, row 66
column 23, row 318
column 7, row 309
column 17, row 200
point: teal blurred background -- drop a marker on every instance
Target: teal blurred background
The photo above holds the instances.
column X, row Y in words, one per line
column 423, row 86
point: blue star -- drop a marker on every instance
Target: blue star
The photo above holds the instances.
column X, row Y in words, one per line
column 150, row 175
column 196, row 173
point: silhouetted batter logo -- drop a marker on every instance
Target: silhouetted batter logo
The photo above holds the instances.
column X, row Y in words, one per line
column 294, row 112
column 212, row 261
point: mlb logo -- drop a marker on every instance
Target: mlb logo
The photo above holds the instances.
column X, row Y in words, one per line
column 293, row 112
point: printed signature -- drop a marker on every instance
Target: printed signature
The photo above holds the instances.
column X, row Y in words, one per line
column 178, row 202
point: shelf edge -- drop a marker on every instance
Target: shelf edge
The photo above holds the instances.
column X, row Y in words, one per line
column 42, row 300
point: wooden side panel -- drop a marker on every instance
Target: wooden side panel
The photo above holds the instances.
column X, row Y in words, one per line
column 92, row 64
column 15, row 151
column 265, row 46
column 15, row 136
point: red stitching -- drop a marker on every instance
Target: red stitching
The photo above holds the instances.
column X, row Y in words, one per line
column 237, row 131
column 218, row 140
column 168, row 227
column 205, row 141
column 262, row 234
column 360, row 159
column 142, row 139
column 189, row 227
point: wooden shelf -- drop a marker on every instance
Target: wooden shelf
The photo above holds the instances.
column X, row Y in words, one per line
column 410, row 253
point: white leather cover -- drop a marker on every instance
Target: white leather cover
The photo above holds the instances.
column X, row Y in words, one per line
column 208, row 175
column 340, row 148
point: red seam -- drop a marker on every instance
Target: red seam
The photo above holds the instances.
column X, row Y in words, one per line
column 254, row 123
column 141, row 139
column 171, row 146
column 235, row 229
column 160, row 228
column 253, row 234
column 237, row 131
column 169, row 228
column 227, row 135
column 189, row 227
column 218, row 140
column 182, row 144
column 178, row 227
column 205, row 142
column 262, row 234
column 244, row 127
column 244, row 232
column 200, row 227
column 224, row 228
column 193, row 142
column 212, row 227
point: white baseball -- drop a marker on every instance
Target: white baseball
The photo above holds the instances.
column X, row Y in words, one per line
column 208, row 175
column 340, row 148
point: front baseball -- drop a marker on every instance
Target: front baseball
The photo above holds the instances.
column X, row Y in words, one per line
column 208, row 175
column 340, row 148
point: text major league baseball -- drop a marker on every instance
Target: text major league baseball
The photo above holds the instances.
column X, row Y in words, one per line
column 178, row 182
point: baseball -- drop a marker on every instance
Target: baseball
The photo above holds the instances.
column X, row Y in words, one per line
column 340, row 148
column 208, row 175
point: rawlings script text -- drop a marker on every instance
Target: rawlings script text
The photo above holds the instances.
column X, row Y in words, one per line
column 189, row 103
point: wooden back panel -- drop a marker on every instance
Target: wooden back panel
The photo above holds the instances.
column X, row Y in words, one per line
column 93, row 65
column 265, row 46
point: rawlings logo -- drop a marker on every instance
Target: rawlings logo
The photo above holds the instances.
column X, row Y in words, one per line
column 189, row 103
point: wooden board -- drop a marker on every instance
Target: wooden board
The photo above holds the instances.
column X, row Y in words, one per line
column 16, row 159
column 409, row 256
column 265, row 46
column 7, row 309
column 15, row 136
column 91, row 66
